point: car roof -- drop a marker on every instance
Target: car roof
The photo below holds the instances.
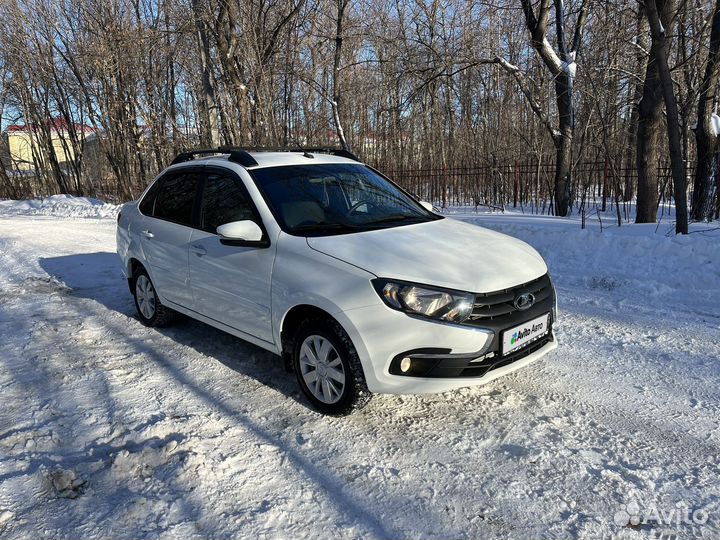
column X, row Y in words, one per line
column 274, row 159
column 271, row 159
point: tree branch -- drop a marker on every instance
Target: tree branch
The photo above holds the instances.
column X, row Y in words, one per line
column 523, row 82
column 579, row 26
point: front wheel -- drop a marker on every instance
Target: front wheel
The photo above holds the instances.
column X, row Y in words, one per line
column 328, row 368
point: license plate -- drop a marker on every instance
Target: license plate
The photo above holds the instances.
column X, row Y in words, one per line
column 525, row 333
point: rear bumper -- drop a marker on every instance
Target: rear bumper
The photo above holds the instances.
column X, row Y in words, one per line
column 444, row 356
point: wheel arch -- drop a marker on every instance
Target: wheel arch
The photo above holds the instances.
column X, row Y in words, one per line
column 133, row 265
column 300, row 312
column 292, row 319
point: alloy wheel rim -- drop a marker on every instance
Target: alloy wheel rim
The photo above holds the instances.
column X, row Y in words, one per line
column 322, row 369
column 145, row 295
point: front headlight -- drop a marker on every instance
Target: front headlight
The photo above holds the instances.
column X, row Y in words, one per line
column 440, row 304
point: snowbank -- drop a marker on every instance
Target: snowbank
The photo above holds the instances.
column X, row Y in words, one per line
column 641, row 261
column 60, row 206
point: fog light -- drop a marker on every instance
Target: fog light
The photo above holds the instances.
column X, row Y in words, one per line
column 405, row 364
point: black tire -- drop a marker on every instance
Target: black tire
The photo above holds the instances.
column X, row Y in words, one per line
column 354, row 395
column 161, row 314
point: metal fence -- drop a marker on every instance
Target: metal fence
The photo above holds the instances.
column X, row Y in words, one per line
column 527, row 184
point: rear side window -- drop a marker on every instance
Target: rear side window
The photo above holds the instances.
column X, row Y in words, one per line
column 223, row 202
column 147, row 205
column 175, row 199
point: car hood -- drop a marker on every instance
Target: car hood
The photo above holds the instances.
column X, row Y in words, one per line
column 446, row 253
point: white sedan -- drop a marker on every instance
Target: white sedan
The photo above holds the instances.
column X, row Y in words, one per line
column 321, row 259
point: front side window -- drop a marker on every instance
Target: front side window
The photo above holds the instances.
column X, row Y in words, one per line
column 335, row 199
column 175, row 198
column 223, row 202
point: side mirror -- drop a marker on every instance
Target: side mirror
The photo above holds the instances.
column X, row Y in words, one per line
column 427, row 206
column 241, row 233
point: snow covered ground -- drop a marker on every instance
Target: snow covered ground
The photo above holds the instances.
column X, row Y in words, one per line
column 59, row 205
column 112, row 430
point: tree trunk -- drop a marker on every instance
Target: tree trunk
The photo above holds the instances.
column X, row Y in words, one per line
column 208, row 102
column 705, row 136
column 659, row 13
column 561, row 64
column 643, row 43
column 337, row 94
column 563, row 145
column 650, row 120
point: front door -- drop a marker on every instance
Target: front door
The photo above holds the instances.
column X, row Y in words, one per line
column 230, row 284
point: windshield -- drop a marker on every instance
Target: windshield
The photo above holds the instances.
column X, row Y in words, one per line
column 335, row 199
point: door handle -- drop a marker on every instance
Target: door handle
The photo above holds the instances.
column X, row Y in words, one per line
column 148, row 234
column 198, row 250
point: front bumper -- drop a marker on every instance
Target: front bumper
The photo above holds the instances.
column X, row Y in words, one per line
column 444, row 356
column 432, row 363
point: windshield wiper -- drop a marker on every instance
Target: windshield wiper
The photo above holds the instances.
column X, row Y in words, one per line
column 396, row 218
column 319, row 227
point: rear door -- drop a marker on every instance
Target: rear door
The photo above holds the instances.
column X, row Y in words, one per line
column 165, row 234
column 230, row 283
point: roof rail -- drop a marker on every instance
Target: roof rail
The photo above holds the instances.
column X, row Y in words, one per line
column 242, row 157
column 306, row 150
column 237, row 155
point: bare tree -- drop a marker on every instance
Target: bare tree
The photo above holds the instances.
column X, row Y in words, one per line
column 660, row 14
column 562, row 66
column 641, row 42
column 649, row 129
column 207, row 103
column 706, row 136
column 336, row 89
